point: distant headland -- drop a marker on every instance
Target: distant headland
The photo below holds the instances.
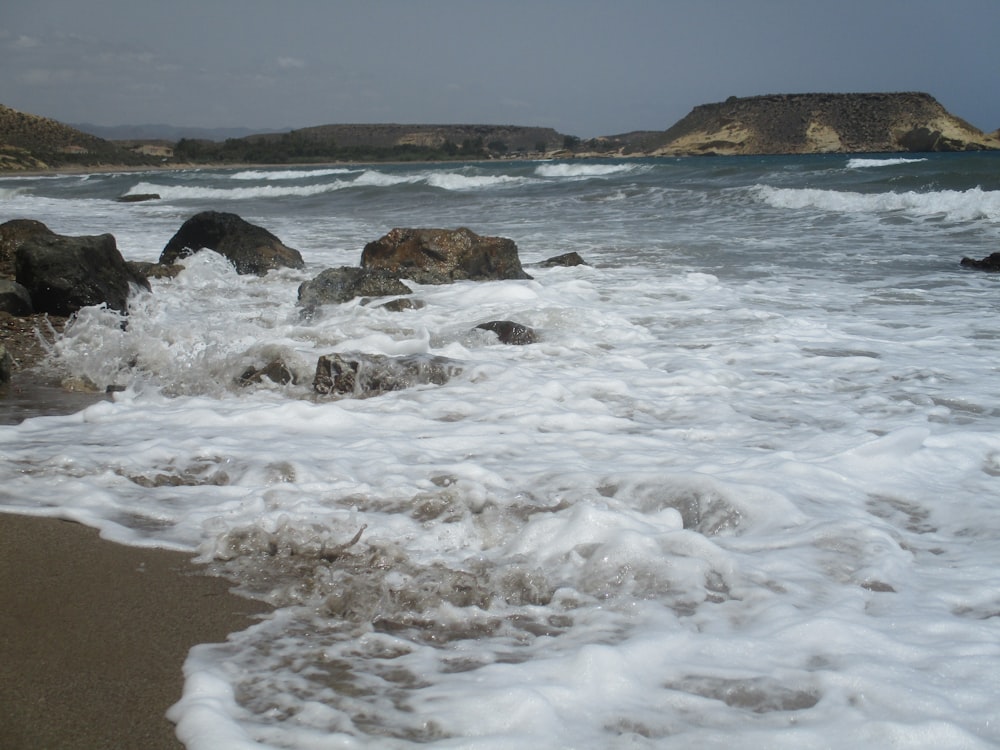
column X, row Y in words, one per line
column 771, row 124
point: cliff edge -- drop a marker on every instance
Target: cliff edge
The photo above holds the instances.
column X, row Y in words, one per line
column 822, row 123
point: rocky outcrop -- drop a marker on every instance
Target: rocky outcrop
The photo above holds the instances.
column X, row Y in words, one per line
column 250, row 248
column 441, row 256
column 363, row 375
column 335, row 286
column 63, row 274
column 821, row 123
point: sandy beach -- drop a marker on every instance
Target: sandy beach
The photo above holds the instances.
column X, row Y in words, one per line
column 93, row 636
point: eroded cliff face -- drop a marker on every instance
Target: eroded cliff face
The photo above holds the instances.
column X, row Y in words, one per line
column 822, row 123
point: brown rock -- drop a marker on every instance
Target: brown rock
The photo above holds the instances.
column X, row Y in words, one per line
column 441, row 256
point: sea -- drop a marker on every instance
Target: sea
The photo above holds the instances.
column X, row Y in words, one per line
column 743, row 490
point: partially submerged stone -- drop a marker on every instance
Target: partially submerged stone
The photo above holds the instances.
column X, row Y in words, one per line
column 566, row 259
column 990, row 263
column 441, row 256
column 335, row 286
column 250, row 248
column 363, row 375
column 510, row 332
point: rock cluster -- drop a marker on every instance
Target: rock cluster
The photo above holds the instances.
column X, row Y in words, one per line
column 57, row 275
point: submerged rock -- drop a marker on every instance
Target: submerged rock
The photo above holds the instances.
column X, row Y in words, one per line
column 250, row 248
column 566, row 259
column 138, row 197
column 510, row 332
column 990, row 263
column 441, row 256
column 276, row 371
column 63, row 274
column 338, row 285
column 364, row 375
column 154, row 270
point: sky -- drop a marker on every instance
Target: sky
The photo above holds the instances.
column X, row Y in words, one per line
column 583, row 67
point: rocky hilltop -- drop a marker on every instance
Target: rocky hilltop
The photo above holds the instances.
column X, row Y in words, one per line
column 30, row 142
column 816, row 123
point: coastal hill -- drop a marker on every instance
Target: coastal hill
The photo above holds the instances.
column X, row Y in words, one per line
column 772, row 124
column 811, row 123
column 30, row 142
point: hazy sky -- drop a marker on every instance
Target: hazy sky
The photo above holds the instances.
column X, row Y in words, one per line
column 584, row 67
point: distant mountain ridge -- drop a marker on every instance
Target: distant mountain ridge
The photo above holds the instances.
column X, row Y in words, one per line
column 163, row 132
column 769, row 124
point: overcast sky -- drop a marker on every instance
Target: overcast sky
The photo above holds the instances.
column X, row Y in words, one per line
column 584, row 67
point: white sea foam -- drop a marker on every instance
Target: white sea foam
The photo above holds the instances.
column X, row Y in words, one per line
column 864, row 163
column 201, row 192
column 736, row 494
column 583, row 170
column 953, row 205
column 289, row 174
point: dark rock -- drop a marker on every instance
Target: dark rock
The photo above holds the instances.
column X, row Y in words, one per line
column 138, row 197
column 566, row 259
column 510, row 332
column 63, row 274
column 12, row 234
column 363, row 375
column 335, row 286
column 250, row 248
column 6, row 364
column 399, row 304
column 990, row 263
column 276, row 371
column 441, row 256
column 154, row 270
column 14, row 298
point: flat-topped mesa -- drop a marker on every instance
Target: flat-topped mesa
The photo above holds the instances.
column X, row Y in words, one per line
column 823, row 123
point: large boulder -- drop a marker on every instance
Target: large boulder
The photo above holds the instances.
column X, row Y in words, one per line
column 63, row 274
column 13, row 233
column 337, row 285
column 250, row 248
column 440, row 256
column 363, row 375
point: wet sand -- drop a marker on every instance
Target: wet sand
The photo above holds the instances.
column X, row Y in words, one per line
column 93, row 636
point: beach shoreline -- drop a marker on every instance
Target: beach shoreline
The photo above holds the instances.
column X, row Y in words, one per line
column 94, row 635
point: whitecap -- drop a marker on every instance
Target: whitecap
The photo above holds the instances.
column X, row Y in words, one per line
column 862, row 163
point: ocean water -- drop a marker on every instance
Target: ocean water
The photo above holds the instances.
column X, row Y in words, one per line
column 743, row 491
